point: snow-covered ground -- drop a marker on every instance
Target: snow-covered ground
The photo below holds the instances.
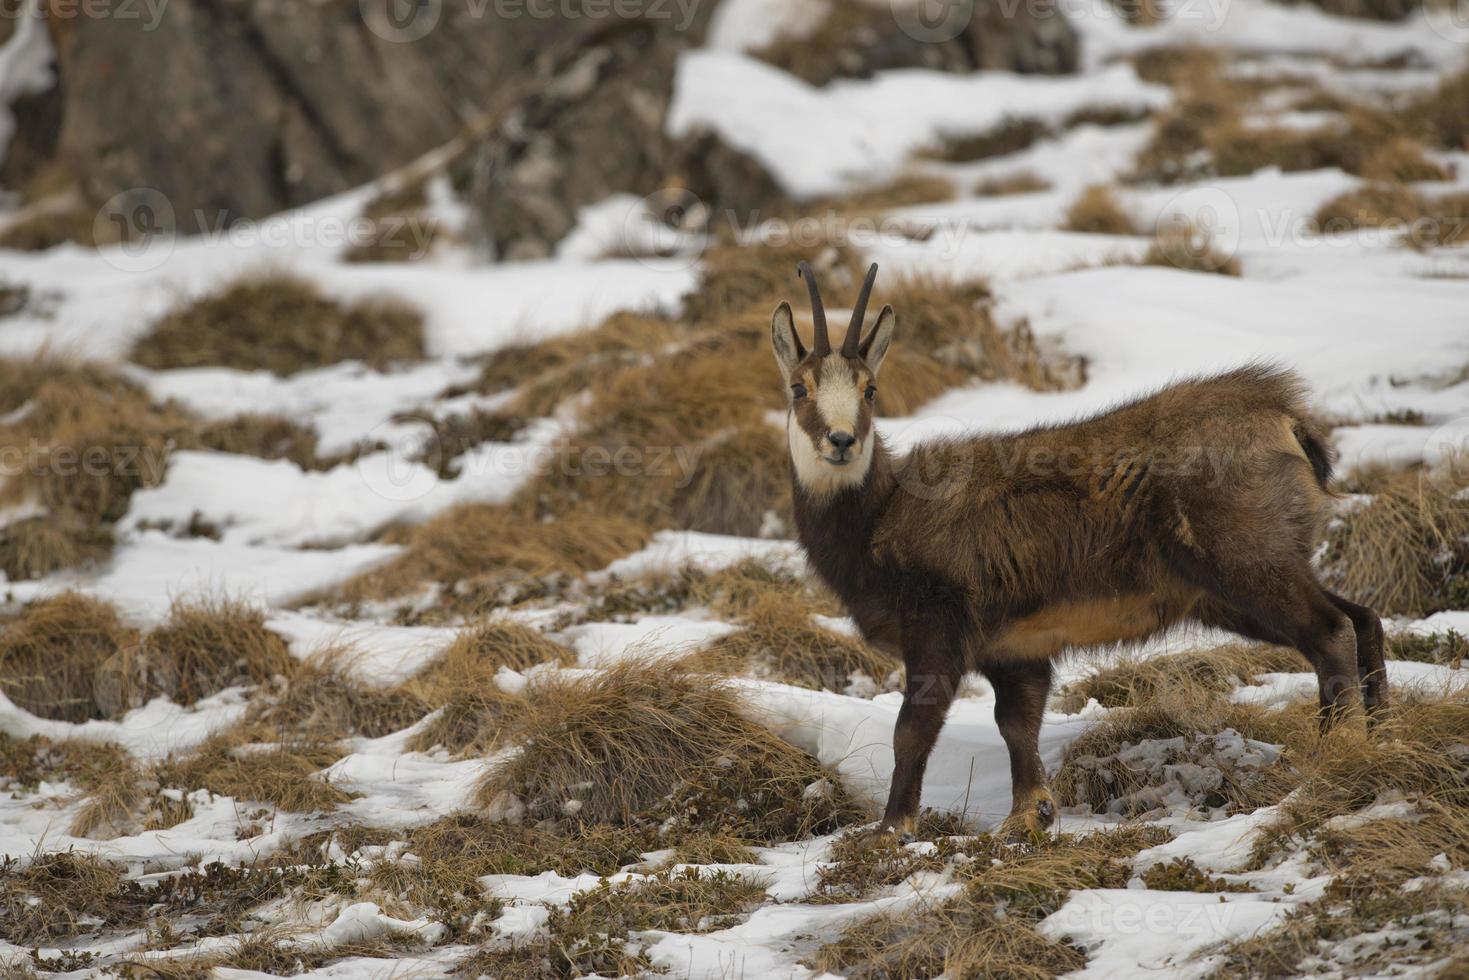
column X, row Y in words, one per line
column 1360, row 318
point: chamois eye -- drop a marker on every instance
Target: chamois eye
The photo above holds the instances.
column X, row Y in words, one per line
column 798, row 391
column 870, row 393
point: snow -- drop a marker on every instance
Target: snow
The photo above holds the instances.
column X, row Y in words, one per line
column 814, row 140
column 25, row 65
column 669, row 551
column 150, row 570
column 1131, row 932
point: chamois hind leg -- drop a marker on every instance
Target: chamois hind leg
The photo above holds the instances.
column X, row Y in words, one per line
column 933, row 674
column 1371, row 667
column 1021, row 690
column 1289, row 608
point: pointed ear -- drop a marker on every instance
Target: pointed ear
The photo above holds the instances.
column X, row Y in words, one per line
column 875, row 347
column 788, row 349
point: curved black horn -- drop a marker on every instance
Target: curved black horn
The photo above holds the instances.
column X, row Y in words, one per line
column 821, row 343
column 859, row 313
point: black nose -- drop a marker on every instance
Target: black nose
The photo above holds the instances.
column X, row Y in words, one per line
column 842, row 440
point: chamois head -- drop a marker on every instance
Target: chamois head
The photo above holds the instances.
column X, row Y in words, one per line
column 832, row 393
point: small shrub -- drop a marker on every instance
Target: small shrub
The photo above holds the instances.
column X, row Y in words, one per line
column 281, row 324
column 1183, row 875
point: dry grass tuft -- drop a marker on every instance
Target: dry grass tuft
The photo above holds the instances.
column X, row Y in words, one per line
column 859, row 864
column 34, row 547
column 656, row 743
column 1400, row 159
column 26, row 762
column 279, row 775
column 93, row 441
column 476, row 715
column 318, row 700
column 1011, row 135
column 780, row 641
column 903, row 191
column 550, row 371
column 1097, row 211
column 989, row 930
column 1386, row 932
column 1140, row 682
column 1442, row 116
column 1416, row 753
column 488, row 554
column 1022, row 182
column 263, row 436
column 401, row 228
column 207, row 645
column 57, row 659
column 1407, row 551
column 1369, row 207
column 744, row 279
column 282, row 324
column 53, row 895
column 1426, row 221
column 1190, row 248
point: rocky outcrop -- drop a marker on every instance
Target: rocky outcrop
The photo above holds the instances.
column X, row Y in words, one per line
column 593, row 126
column 236, row 109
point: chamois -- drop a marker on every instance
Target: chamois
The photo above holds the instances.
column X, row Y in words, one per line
column 1200, row 503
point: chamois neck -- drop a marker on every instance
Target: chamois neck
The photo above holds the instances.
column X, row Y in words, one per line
column 835, row 529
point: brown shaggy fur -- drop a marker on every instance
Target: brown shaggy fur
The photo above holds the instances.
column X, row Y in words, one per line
column 1199, row 503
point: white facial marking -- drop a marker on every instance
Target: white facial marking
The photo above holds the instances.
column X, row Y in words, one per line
column 837, row 397
column 838, row 403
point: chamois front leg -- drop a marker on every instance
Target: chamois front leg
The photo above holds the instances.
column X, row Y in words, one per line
column 1021, row 690
column 933, row 676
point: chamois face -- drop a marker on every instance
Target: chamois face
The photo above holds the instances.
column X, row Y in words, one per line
column 831, row 394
